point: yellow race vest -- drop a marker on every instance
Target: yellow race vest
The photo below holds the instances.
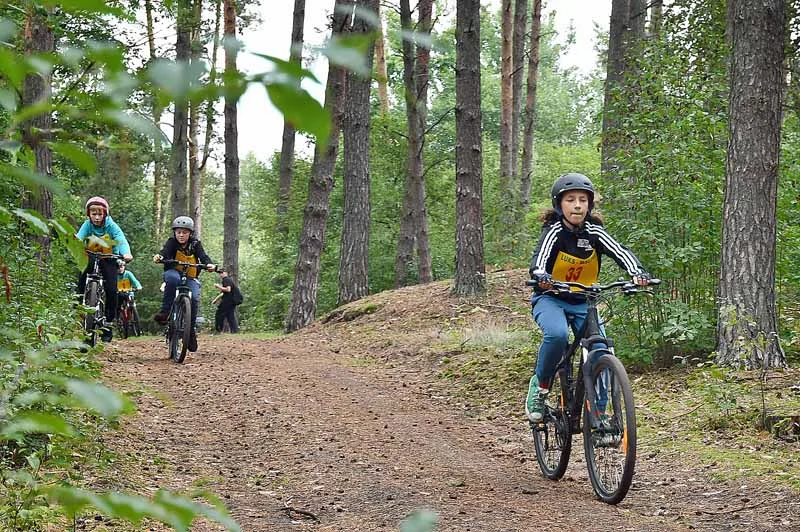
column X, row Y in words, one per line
column 570, row 268
column 181, row 256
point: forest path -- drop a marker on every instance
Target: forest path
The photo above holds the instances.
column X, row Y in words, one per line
column 345, row 427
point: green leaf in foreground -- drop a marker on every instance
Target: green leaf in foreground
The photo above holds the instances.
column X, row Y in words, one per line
column 36, row 423
column 301, row 110
column 98, row 398
column 419, row 521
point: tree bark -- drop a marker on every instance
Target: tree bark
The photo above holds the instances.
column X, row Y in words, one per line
column 354, row 256
column 303, row 306
column 212, row 80
column 747, row 333
column 195, row 185
column 422, row 77
column 517, row 74
column 230, row 244
column 530, row 109
column 380, row 67
column 38, row 38
column 287, row 144
column 158, row 151
column 506, row 112
column 183, row 50
column 470, row 275
column 615, row 70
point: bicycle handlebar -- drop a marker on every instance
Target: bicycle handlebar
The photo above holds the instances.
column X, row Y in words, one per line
column 564, row 286
column 174, row 262
column 100, row 255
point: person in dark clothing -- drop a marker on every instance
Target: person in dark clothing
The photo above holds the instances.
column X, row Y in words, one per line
column 226, row 311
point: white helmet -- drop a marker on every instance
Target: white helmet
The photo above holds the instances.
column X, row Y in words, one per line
column 183, row 222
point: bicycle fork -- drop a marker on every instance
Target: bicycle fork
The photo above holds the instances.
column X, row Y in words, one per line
column 588, row 354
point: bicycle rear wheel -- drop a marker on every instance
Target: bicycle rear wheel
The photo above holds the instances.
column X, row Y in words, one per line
column 610, row 446
column 123, row 321
column 91, row 300
column 182, row 329
column 137, row 327
column 552, row 438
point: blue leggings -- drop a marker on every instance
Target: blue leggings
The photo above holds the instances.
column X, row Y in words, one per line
column 554, row 317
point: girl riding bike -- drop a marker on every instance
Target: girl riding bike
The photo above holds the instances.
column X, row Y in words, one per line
column 569, row 249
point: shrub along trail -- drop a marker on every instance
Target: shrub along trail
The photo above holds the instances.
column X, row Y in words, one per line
column 345, row 427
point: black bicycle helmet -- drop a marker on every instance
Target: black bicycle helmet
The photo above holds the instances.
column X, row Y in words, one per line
column 568, row 182
column 183, row 222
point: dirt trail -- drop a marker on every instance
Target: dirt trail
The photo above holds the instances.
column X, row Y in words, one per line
column 316, row 431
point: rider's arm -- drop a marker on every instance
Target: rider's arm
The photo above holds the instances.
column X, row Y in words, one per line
column 115, row 232
column 167, row 252
column 85, row 230
column 135, row 284
column 202, row 256
column 545, row 250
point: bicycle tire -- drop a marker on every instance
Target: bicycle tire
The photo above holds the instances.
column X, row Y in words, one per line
column 90, row 299
column 611, row 449
column 183, row 330
column 137, row 327
column 122, row 321
column 552, row 438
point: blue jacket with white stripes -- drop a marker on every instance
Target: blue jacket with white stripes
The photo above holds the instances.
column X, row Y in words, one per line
column 574, row 254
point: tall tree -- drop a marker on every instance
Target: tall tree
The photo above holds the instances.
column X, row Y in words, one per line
column 381, row 73
column 506, row 111
column 183, row 51
column 470, row 275
column 38, row 39
column 195, row 184
column 287, row 143
column 530, row 108
column 158, row 150
column 517, row 75
column 303, row 306
column 747, row 333
column 230, row 244
column 354, row 256
column 414, row 218
column 615, row 70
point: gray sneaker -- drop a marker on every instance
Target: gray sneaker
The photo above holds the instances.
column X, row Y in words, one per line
column 534, row 404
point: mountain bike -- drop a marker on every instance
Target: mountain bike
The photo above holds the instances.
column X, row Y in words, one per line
column 94, row 296
column 178, row 332
column 128, row 316
column 599, row 392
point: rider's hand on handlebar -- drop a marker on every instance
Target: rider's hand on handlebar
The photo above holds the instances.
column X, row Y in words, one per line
column 544, row 280
column 127, row 257
column 641, row 279
column 157, row 258
column 211, row 267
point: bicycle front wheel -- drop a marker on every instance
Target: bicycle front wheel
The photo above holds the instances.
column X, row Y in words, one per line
column 610, row 445
column 91, row 300
column 552, row 438
column 182, row 329
column 137, row 327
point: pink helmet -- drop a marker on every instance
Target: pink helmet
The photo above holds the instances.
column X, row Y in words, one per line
column 96, row 200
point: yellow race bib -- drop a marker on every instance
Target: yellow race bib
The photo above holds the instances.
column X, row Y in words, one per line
column 123, row 285
column 191, row 272
column 570, row 268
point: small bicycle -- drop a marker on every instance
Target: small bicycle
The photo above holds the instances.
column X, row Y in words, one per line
column 128, row 315
column 94, row 296
column 178, row 332
column 601, row 392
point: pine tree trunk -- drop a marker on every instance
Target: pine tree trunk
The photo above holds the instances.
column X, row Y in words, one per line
column 158, row 151
column 747, row 333
column 303, row 306
column 382, row 76
column 183, row 51
column 422, row 76
column 195, row 188
column 230, row 244
column 470, row 278
column 287, row 144
column 506, row 112
column 517, row 75
column 615, row 70
column 212, row 80
column 38, row 38
column 530, row 109
column 354, row 256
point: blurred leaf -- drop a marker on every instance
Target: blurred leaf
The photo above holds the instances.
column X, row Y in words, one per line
column 76, row 249
column 35, row 221
column 30, row 179
column 136, row 122
column 349, row 52
column 176, row 79
column 62, row 227
column 36, row 422
column 421, row 39
column 84, row 6
column 77, row 156
column 291, row 69
column 98, row 398
column 7, row 30
column 11, row 67
column 301, row 110
column 360, row 12
column 419, row 521
column 8, row 100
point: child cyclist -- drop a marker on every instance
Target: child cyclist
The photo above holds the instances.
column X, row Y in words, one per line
column 182, row 246
column 101, row 234
column 127, row 283
column 569, row 249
